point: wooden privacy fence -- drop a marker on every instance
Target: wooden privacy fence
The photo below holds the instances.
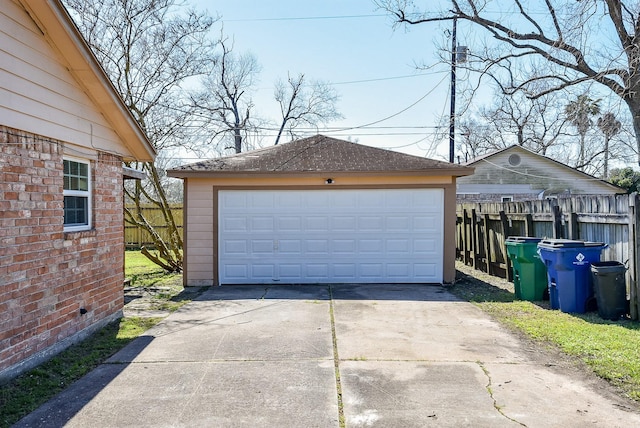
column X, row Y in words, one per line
column 135, row 237
column 483, row 227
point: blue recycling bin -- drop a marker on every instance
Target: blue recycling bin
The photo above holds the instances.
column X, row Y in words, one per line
column 569, row 277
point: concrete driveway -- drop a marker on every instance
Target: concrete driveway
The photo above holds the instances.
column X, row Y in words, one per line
column 320, row 356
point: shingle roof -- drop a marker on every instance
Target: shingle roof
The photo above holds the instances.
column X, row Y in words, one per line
column 321, row 154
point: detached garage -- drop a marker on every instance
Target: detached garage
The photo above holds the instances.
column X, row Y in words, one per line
column 319, row 210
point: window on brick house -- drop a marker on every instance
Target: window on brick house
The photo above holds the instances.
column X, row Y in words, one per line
column 77, row 195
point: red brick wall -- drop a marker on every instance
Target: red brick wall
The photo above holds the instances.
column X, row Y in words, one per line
column 47, row 275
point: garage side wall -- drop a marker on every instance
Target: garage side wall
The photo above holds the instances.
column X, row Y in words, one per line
column 200, row 213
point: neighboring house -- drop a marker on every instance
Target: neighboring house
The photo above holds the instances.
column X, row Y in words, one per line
column 319, row 210
column 518, row 174
column 64, row 133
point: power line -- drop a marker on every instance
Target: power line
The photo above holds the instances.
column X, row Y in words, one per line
column 306, row 18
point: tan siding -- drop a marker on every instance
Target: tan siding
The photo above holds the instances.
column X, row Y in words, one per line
column 39, row 94
column 199, row 236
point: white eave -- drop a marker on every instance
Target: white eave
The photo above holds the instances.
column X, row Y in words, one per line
column 57, row 26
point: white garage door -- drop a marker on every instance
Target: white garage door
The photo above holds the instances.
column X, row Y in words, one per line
column 330, row 236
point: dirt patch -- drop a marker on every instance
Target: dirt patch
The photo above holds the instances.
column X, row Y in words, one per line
column 158, row 300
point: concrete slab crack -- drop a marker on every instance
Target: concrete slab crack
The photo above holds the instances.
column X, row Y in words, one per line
column 264, row 295
column 489, row 388
column 336, row 361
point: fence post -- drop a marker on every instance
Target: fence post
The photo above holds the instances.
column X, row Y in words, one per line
column 634, row 262
column 476, row 239
column 528, row 225
column 573, row 226
column 487, row 245
column 557, row 222
column 507, row 232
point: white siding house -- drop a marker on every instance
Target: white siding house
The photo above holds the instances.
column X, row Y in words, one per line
column 516, row 174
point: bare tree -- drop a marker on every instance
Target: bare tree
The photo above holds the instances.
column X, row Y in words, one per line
column 564, row 43
column 579, row 113
column 149, row 48
column 610, row 126
column 227, row 108
column 225, row 99
column 300, row 104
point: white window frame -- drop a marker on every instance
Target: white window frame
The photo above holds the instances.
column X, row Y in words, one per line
column 82, row 193
column 507, row 198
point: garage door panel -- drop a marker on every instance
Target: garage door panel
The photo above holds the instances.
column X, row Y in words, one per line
column 345, row 246
column 398, row 245
column 399, row 270
column 290, row 224
column 262, row 224
column 344, row 271
column 371, row 224
column 424, row 270
column 290, row 271
column 236, row 271
column 290, row 246
column 317, row 246
column 262, row 246
column 374, row 246
column 235, row 247
column 355, row 235
column 233, row 200
column 371, row 200
column 371, row 271
column 237, row 224
column 262, row 200
column 317, row 224
column 343, row 200
column 317, row 270
column 262, row 271
column 425, row 245
column 398, row 224
column 344, row 223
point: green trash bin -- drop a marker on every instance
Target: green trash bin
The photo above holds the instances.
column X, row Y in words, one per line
column 610, row 287
column 529, row 272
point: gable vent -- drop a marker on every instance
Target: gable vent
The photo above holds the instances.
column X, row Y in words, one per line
column 514, row 160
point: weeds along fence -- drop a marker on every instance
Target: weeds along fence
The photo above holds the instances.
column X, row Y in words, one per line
column 135, row 237
column 615, row 220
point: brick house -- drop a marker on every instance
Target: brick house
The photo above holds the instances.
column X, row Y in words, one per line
column 64, row 133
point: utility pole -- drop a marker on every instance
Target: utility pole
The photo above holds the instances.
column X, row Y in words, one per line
column 452, row 116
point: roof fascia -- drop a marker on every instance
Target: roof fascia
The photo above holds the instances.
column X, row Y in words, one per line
column 58, row 27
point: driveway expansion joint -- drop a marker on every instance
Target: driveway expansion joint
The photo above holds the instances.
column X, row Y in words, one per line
column 336, row 361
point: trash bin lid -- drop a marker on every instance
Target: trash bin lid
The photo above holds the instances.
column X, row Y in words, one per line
column 522, row 239
column 568, row 243
column 561, row 243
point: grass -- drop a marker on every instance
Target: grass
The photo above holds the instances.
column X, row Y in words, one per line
column 27, row 392
column 142, row 272
column 610, row 348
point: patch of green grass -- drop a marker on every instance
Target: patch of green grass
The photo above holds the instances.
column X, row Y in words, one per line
column 27, row 392
column 610, row 348
column 136, row 263
column 142, row 272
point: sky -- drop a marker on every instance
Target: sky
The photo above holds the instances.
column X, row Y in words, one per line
column 385, row 99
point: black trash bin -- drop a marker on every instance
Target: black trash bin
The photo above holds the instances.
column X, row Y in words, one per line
column 610, row 287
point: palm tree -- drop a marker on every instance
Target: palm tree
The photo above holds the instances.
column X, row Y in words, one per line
column 579, row 113
column 609, row 126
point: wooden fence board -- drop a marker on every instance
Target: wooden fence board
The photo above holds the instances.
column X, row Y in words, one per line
column 135, row 237
column 610, row 219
